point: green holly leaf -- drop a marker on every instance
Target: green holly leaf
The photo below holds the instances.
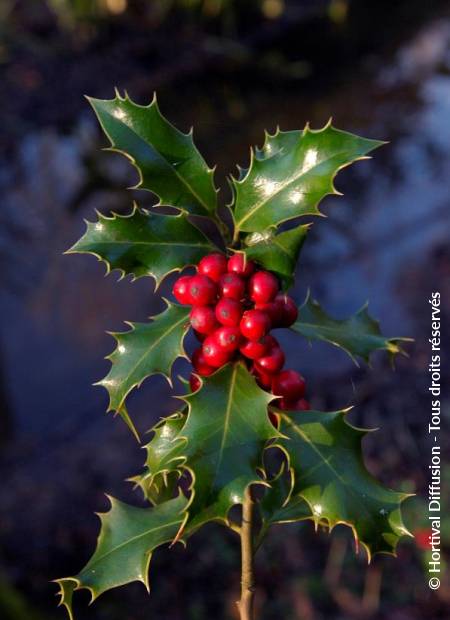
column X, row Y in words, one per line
column 145, row 350
column 330, row 479
column 163, row 450
column 358, row 335
column 164, row 487
column 277, row 252
column 291, row 174
column 67, row 587
column 168, row 163
column 225, row 433
column 144, row 243
column 273, row 505
column 127, row 540
column 164, row 455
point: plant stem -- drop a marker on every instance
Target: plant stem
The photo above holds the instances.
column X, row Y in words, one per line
column 245, row 605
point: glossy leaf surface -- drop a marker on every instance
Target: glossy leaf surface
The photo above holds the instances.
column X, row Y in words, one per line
column 145, row 350
column 127, row 539
column 277, row 252
column 168, row 163
column 325, row 456
column 144, row 243
column 291, row 174
column 359, row 335
column 225, row 433
column 164, row 454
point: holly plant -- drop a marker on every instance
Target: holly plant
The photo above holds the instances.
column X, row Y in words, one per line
column 240, row 403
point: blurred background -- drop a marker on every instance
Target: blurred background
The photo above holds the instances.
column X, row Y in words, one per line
column 380, row 68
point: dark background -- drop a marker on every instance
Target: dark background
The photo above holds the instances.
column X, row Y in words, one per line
column 231, row 69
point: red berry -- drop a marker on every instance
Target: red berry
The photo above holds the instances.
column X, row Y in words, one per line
column 202, row 291
column 423, row 538
column 302, row 405
column 228, row 312
column 232, row 286
column 214, row 354
column 272, row 362
column 273, row 311
column 263, row 287
column 272, row 341
column 180, row 290
column 200, row 364
column 239, row 264
column 297, row 405
column 283, row 404
column 263, row 379
column 194, row 382
column 288, row 310
column 255, row 348
column 213, row 266
column 203, row 319
column 289, row 384
column 254, row 324
column 228, row 338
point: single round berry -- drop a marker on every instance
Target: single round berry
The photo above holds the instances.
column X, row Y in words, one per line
column 253, row 349
column 289, row 384
column 228, row 338
column 239, row 264
column 288, row 310
column 194, row 382
column 200, row 363
column 203, row 319
column 263, row 287
column 263, row 379
column 232, row 286
column 254, row 324
column 229, row 312
column 213, row 266
column 272, row 362
column 273, row 311
column 202, row 291
column 180, row 290
column 213, row 353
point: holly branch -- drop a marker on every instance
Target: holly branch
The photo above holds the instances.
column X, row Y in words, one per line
column 241, row 400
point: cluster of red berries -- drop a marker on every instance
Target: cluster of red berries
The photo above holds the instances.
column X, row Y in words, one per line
column 234, row 306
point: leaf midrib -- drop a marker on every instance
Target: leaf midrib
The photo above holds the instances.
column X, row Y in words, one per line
column 146, row 353
column 282, row 187
column 167, row 163
column 335, row 330
column 132, row 540
column 226, row 425
column 305, row 437
column 282, row 248
column 327, row 464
